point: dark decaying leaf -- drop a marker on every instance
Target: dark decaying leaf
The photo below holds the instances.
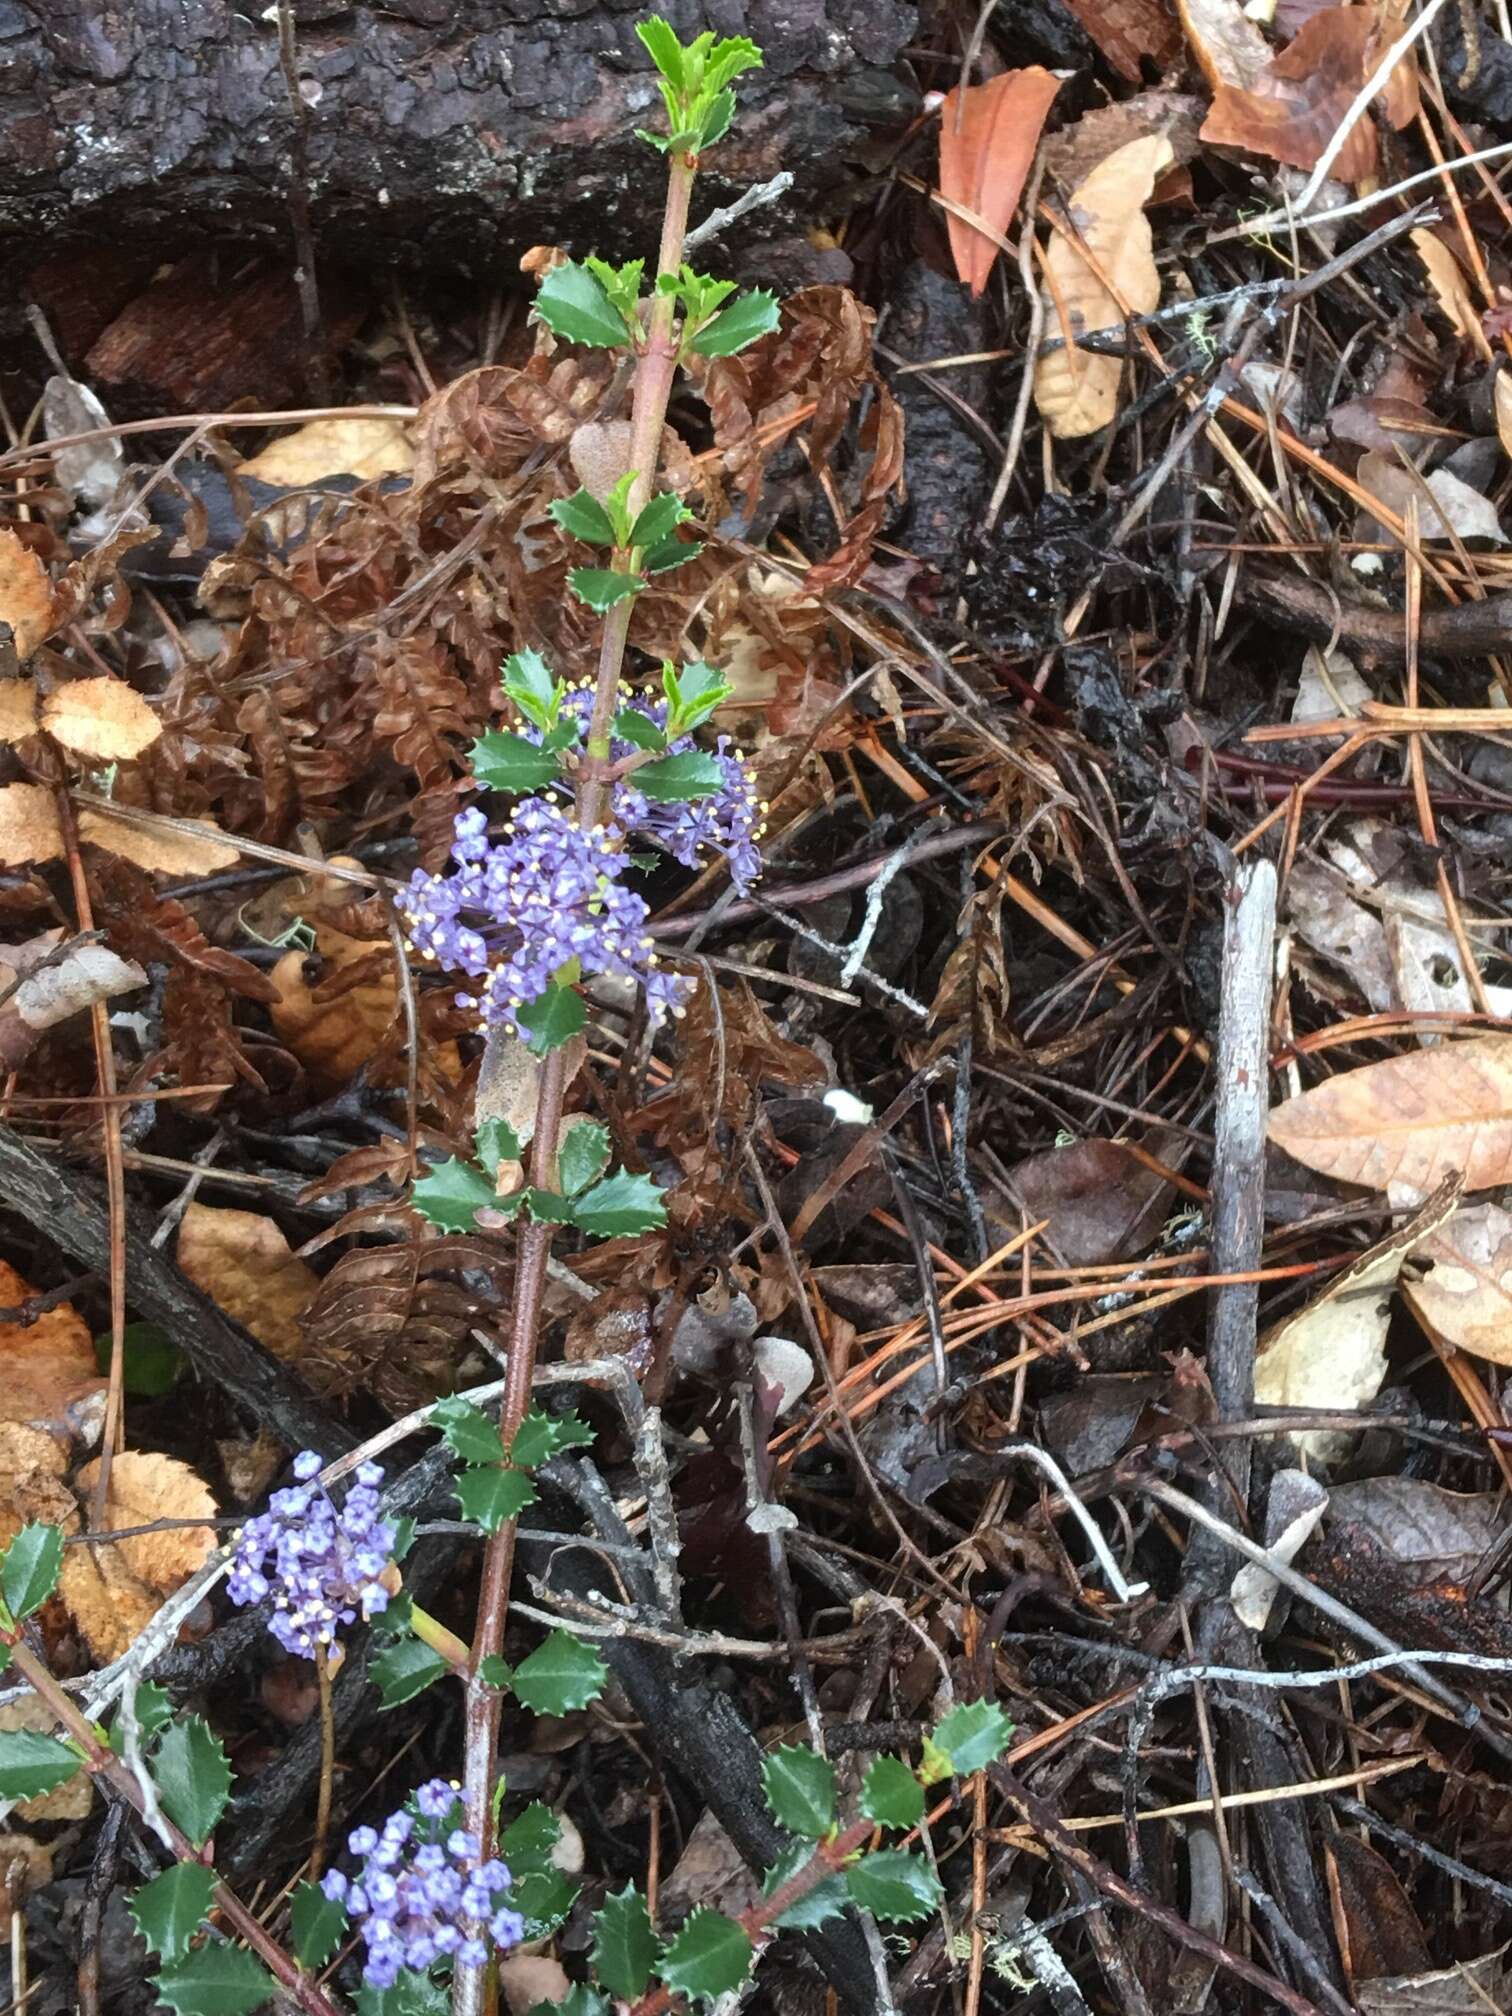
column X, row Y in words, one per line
column 1103, row 1202
column 1377, row 1929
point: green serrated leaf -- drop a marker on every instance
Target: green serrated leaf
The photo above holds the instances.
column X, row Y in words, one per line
column 193, row 1777
column 630, row 725
column 974, row 1735
column 451, row 1196
column 716, row 120
column 625, row 1947
column 816, row 1907
column 621, row 283
column 584, row 517
column 747, row 318
column 496, row 1672
column 710, row 1956
column 529, row 1841
column 800, row 1789
column 504, row 762
column 693, row 694
column 498, row 1142
column 560, row 1676
column 891, row 1794
column 729, row 59
column 574, row 303
column 411, row 1995
column 552, row 1019
column 316, row 1923
column 543, row 1897
column 542, row 1436
column 151, row 1361
column 619, row 1207
column 31, row 1764
column 215, row 1981
column 617, row 507
column 467, row 1431
column 405, row 1670
column 549, row 1207
column 693, row 774
column 529, row 683
column 663, row 47
column 670, row 553
column 29, row 1571
column 660, row 519
column 154, row 1711
column 583, row 1156
column 490, row 1497
column 599, row 588
column 895, row 1885
column 578, row 2001
column 171, row 1908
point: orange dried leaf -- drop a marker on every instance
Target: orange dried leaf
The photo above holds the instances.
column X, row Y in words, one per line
column 1410, row 1120
column 1447, row 279
column 27, row 601
column 1293, row 110
column 160, row 848
column 49, row 1377
column 101, row 718
column 242, row 1261
column 1128, row 31
column 988, row 135
column 1075, row 390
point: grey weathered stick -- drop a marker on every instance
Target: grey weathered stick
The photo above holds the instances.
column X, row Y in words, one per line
column 67, row 1206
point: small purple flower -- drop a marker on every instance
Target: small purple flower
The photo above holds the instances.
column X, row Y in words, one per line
column 321, row 1566
column 422, row 1891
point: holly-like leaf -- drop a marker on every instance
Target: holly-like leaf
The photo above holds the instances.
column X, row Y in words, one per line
column 171, row 1908
column 816, row 1907
column 503, row 762
column 498, row 1142
column 316, row 1923
column 710, row 1956
column 619, row 1207
column 692, row 694
column 154, row 1711
column 496, row 1672
column 31, row 1764
column 543, row 1435
column 451, row 1196
column 467, row 1431
column 974, row 1735
column 600, row 588
column 543, row 1897
column 560, row 1676
column 552, row 1019
column 490, row 1497
column 891, row 1794
column 29, row 1572
column 660, row 519
column 622, row 284
column 584, row 517
column 800, row 1789
column 193, row 1777
column 670, row 553
column 734, row 328
column 529, row 1842
column 411, row 1995
column 624, row 1946
column 894, row 1885
column 583, row 1156
column 215, row 1981
column 549, row 1207
column 573, row 302
column 578, row 2001
column 663, row 47
column 529, row 683
column 691, row 775
column 405, row 1670
column 630, row 725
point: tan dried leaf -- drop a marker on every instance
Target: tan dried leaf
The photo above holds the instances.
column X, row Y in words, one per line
column 29, row 829
column 48, row 1372
column 1447, row 279
column 115, row 1589
column 102, row 718
column 365, row 448
column 1228, row 46
column 163, row 849
column 242, row 1261
column 33, row 1465
column 1077, row 392
column 1502, row 392
column 27, row 600
column 71, row 1800
column 1465, row 1297
column 90, row 973
column 1333, row 1354
column 1410, row 1120
column 18, row 709
column 25, row 1866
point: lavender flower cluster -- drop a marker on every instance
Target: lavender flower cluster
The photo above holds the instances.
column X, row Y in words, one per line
column 321, row 1566
column 423, row 1892
column 512, row 915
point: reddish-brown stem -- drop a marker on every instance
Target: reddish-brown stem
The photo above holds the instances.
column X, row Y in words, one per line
column 103, row 1763
column 758, row 1922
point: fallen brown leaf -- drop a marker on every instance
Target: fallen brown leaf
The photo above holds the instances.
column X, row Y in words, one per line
column 1077, row 392
column 26, row 594
column 104, row 719
column 1292, row 111
column 988, row 134
column 29, row 829
column 1447, row 279
column 1128, row 32
column 114, row 1589
column 339, row 446
column 18, row 709
column 1410, row 1120
column 1451, row 507
column 243, row 1263
column 1465, row 1296
column 159, row 848
column 49, row 1378
column 1229, row 48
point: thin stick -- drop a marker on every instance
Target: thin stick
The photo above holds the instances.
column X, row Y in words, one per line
column 327, row 1762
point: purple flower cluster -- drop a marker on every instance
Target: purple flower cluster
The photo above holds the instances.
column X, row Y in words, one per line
column 513, row 915
column 321, row 1566
column 423, row 1892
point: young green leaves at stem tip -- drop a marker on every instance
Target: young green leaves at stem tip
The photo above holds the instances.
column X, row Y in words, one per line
column 616, row 1206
